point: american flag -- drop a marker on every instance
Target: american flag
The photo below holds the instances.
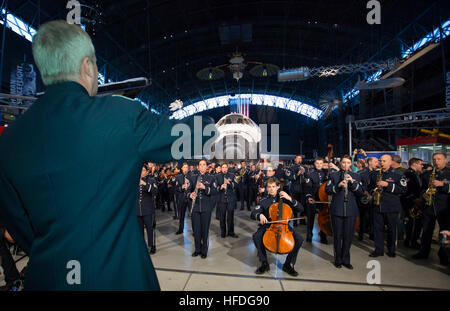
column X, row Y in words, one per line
column 240, row 105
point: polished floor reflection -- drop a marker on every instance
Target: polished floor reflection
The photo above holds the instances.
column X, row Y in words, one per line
column 231, row 263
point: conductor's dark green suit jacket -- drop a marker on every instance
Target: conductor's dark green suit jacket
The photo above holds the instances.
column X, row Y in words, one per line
column 69, row 171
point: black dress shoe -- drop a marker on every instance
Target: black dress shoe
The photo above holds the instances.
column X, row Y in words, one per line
column 419, row 255
column 375, row 254
column 242, row 209
column 178, row 232
column 338, row 265
column 152, row 250
column 348, row 266
column 263, row 268
column 204, row 256
column 233, row 235
column 175, row 217
column 289, row 270
column 360, row 237
column 323, row 240
column 391, row 254
column 223, row 235
column 195, row 254
column 309, row 239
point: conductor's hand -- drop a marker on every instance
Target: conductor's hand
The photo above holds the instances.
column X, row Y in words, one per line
column 262, row 219
column 176, row 105
column 284, row 195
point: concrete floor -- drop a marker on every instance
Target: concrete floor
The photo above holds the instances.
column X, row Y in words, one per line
column 231, row 263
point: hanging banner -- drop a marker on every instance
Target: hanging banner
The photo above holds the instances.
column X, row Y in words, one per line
column 23, row 82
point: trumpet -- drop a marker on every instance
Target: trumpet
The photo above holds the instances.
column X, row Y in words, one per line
column 377, row 191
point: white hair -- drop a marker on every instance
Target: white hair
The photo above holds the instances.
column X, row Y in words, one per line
column 58, row 49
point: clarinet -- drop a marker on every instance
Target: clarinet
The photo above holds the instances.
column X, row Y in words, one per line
column 345, row 189
column 196, row 193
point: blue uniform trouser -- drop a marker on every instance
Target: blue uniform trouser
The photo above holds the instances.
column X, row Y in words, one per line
column 183, row 205
column 226, row 216
column 380, row 219
column 200, row 226
column 147, row 221
column 343, row 229
column 291, row 258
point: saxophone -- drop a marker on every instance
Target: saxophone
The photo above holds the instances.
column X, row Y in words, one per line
column 377, row 191
column 431, row 191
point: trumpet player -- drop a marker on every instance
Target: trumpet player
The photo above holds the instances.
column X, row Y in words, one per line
column 389, row 185
column 345, row 186
column 437, row 206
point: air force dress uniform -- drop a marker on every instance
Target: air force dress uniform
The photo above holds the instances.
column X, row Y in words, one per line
column 388, row 211
column 343, row 211
column 226, row 203
column 201, row 212
column 146, row 208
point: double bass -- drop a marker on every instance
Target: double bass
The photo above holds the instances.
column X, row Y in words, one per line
column 324, row 218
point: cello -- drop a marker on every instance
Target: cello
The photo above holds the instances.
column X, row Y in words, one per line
column 324, row 218
column 278, row 238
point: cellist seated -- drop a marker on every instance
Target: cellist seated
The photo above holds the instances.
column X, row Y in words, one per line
column 261, row 213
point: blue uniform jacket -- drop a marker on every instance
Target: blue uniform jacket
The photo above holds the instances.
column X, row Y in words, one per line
column 339, row 206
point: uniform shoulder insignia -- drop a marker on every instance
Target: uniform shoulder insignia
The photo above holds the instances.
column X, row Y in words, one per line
column 403, row 182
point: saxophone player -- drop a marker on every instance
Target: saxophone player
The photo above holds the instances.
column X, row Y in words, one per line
column 390, row 185
column 413, row 203
column 345, row 186
column 437, row 208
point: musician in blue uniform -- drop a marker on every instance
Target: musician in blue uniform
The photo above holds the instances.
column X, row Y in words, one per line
column 439, row 209
column 181, row 188
column 314, row 179
column 226, row 201
column 253, row 184
column 365, row 203
column 345, row 187
column 218, row 170
column 261, row 213
column 243, row 186
column 202, row 187
column 146, row 206
column 297, row 182
column 392, row 185
column 412, row 199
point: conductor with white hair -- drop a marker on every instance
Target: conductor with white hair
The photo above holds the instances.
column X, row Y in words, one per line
column 69, row 173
